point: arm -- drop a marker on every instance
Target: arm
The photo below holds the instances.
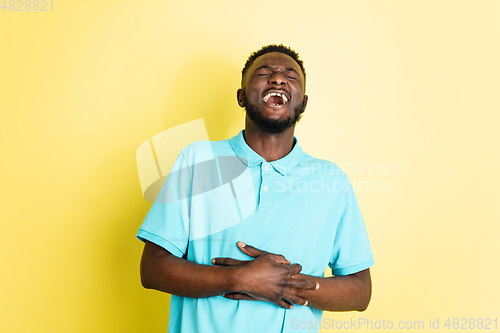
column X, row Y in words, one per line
column 338, row 293
column 267, row 277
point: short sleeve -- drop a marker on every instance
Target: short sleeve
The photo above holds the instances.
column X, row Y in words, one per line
column 351, row 251
column 166, row 223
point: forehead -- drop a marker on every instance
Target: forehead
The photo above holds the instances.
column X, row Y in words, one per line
column 276, row 60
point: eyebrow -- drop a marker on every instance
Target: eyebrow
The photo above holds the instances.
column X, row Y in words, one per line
column 289, row 69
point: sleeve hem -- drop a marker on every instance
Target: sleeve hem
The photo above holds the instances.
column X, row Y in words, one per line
column 144, row 235
column 352, row 269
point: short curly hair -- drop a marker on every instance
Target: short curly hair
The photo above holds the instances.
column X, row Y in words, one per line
column 274, row 48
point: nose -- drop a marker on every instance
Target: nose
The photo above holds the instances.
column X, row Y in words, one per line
column 278, row 78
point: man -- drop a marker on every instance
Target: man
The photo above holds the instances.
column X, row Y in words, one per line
column 280, row 200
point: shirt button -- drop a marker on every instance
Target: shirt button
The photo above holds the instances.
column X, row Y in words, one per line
column 265, row 188
column 266, row 168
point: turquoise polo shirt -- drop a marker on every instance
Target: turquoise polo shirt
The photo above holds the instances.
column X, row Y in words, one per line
column 219, row 193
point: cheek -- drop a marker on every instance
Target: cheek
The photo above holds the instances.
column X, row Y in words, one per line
column 253, row 94
column 298, row 97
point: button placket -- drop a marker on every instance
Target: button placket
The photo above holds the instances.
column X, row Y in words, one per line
column 265, row 202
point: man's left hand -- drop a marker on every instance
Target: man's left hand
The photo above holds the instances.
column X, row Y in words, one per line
column 252, row 252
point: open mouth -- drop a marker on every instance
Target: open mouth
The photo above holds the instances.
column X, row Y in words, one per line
column 275, row 98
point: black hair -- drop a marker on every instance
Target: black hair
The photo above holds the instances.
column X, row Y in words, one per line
column 274, row 48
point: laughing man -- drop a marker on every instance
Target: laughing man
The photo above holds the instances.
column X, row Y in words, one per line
column 258, row 188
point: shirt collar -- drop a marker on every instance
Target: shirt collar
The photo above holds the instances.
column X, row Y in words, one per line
column 250, row 158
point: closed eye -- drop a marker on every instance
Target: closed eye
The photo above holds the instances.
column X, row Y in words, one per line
column 262, row 73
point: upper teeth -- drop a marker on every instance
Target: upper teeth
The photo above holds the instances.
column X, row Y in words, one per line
column 285, row 99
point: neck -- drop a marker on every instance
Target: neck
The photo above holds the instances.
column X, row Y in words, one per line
column 271, row 147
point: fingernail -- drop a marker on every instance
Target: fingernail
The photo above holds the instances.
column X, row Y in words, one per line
column 223, row 295
column 242, row 244
column 307, row 302
column 317, row 285
column 291, row 307
column 213, row 261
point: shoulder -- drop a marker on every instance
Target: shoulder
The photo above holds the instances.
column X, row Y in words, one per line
column 205, row 150
column 316, row 166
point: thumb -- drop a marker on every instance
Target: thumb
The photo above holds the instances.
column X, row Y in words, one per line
column 250, row 250
column 255, row 252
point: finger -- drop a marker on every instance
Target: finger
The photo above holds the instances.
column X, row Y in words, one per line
column 279, row 259
column 294, row 269
column 250, row 250
column 303, row 284
column 283, row 303
column 240, row 297
column 294, row 299
column 228, row 262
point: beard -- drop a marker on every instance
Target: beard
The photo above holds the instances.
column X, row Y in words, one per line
column 272, row 126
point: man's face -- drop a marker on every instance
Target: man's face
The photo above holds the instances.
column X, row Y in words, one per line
column 273, row 92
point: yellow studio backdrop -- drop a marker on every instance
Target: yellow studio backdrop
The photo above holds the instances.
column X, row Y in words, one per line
column 403, row 96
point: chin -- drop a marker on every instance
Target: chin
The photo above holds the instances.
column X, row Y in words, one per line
column 273, row 120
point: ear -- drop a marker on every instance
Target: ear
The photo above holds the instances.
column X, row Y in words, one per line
column 239, row 96
column 304, row 103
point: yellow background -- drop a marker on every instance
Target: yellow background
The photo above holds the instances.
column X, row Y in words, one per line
column 413, row 83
